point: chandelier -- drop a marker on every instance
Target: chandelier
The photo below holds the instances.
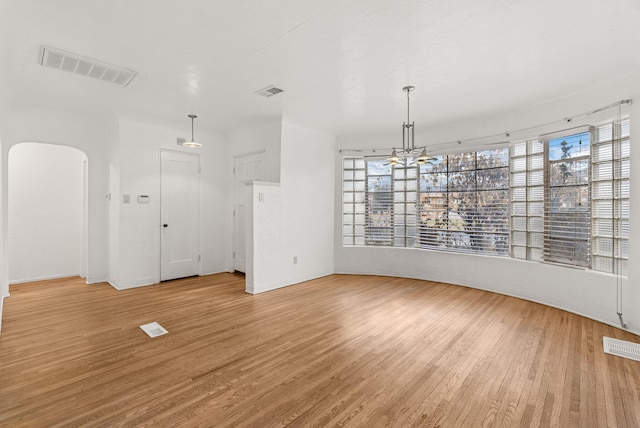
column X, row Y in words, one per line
column 409, row 149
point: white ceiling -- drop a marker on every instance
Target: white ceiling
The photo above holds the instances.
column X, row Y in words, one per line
column 341, row 63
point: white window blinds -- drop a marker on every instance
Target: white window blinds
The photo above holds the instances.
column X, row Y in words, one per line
column 353, row 201
column 378, row 203
column 562, row 198
column 567, row 233
column 570, row 198
column 527, row 200
column 460, row 202
column 610, row 197
column 464, row 202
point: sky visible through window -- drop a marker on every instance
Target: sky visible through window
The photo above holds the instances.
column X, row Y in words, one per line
column 574, row 146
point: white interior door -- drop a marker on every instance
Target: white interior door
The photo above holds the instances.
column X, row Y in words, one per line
column 179, row 189
column 245, row 169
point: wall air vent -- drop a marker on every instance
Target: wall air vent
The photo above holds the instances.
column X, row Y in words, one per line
column 76, row 64
column 269, row 91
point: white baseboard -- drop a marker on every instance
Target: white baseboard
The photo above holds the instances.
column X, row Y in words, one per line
column 42, row 278
column 275, row 285
column 135, row 284
column 1, row 306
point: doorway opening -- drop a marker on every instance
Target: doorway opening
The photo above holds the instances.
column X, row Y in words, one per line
column 47, row 211
column 246, row 168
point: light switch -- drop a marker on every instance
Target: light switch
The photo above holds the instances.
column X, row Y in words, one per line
column 126, row 199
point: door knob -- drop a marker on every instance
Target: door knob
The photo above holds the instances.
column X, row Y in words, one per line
column 165, row 225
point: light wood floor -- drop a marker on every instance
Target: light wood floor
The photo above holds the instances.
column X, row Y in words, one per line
column 338, row 351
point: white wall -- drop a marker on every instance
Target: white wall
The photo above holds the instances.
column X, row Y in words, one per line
column 589, row 293
column 294, row 219
column 113, row 194
column 45, row 212
column 258, row 137
column 137, row 170
column 88, row 133
column 307, row 183
column 266, row 259
column 123, row 157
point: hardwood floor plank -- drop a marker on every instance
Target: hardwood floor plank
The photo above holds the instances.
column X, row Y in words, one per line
column 337, row 351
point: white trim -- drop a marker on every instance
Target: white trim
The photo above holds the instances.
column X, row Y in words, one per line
column 135, row 284
column 44, row 278
column 268, row 287
column 1, row 308
column 255, row 152
column 262, row 183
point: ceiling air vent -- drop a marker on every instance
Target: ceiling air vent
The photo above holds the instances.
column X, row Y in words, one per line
column 269, row 91
column 76, row 64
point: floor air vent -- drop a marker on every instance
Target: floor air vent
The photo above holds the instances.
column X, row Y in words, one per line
column 76, row 64
column 621, row 348
column 153, row 329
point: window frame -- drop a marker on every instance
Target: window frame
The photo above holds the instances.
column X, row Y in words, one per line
column 552, row 218
column 608, row 199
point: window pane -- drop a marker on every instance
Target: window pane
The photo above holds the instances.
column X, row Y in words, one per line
column 536, row 193
column 519, row 164
column 519, row 223
column 438, row 164
column 497, row 178
column 535, row 178
column 519, row 149
column 518, row 193
column 535, row 162
column 519, row 179
column 536, row 146
column 461, row 162
column 602, row 171
column 571, row 146
column 433, row 182
column 493, row 158
column 568, row 209
column 569, row 173
column 461, row 180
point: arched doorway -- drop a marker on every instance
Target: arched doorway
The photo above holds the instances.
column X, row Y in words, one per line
column 47, row 207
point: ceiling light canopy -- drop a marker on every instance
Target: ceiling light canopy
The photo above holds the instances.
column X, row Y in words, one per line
column 192, row 144
column 409, row 150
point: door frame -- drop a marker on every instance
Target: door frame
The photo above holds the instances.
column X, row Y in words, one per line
column 236, row 200
column 198, row 199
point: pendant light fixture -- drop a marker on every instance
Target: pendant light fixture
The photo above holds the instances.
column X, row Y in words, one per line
column 409, row 149
column 192, row 144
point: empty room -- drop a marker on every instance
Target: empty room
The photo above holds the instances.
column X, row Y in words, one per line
column 316, row 214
